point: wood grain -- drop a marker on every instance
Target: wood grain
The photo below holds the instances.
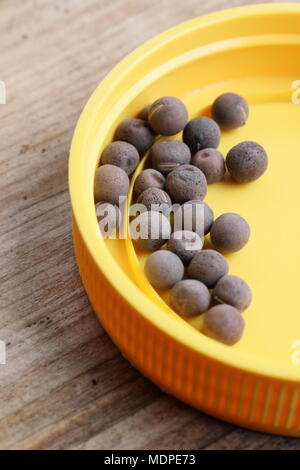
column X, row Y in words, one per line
column 65, row 385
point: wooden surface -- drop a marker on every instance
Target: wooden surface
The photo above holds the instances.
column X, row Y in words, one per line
column 65, row 385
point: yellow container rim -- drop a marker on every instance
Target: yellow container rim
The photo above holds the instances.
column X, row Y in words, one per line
column 81, row 194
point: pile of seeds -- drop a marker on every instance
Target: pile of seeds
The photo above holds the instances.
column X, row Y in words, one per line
column 176, row 184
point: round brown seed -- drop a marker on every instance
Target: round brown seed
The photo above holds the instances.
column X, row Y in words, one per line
column 148, row 178
column 143, row 114
column 168, row 115
column 208, row 266
column 212, row 163
column 164, row 269
column 150, row 230
column 185, row 183
column 234, row 291
column 111, row 182
column 230, row 110
column 201, row 133
column 137, row 133
column 224, row 323
column 155, row 199
column 121, row 154
column 185, row 245
column 247, row 161
column 166, row 155
column 189, row 297
column 230, row 232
